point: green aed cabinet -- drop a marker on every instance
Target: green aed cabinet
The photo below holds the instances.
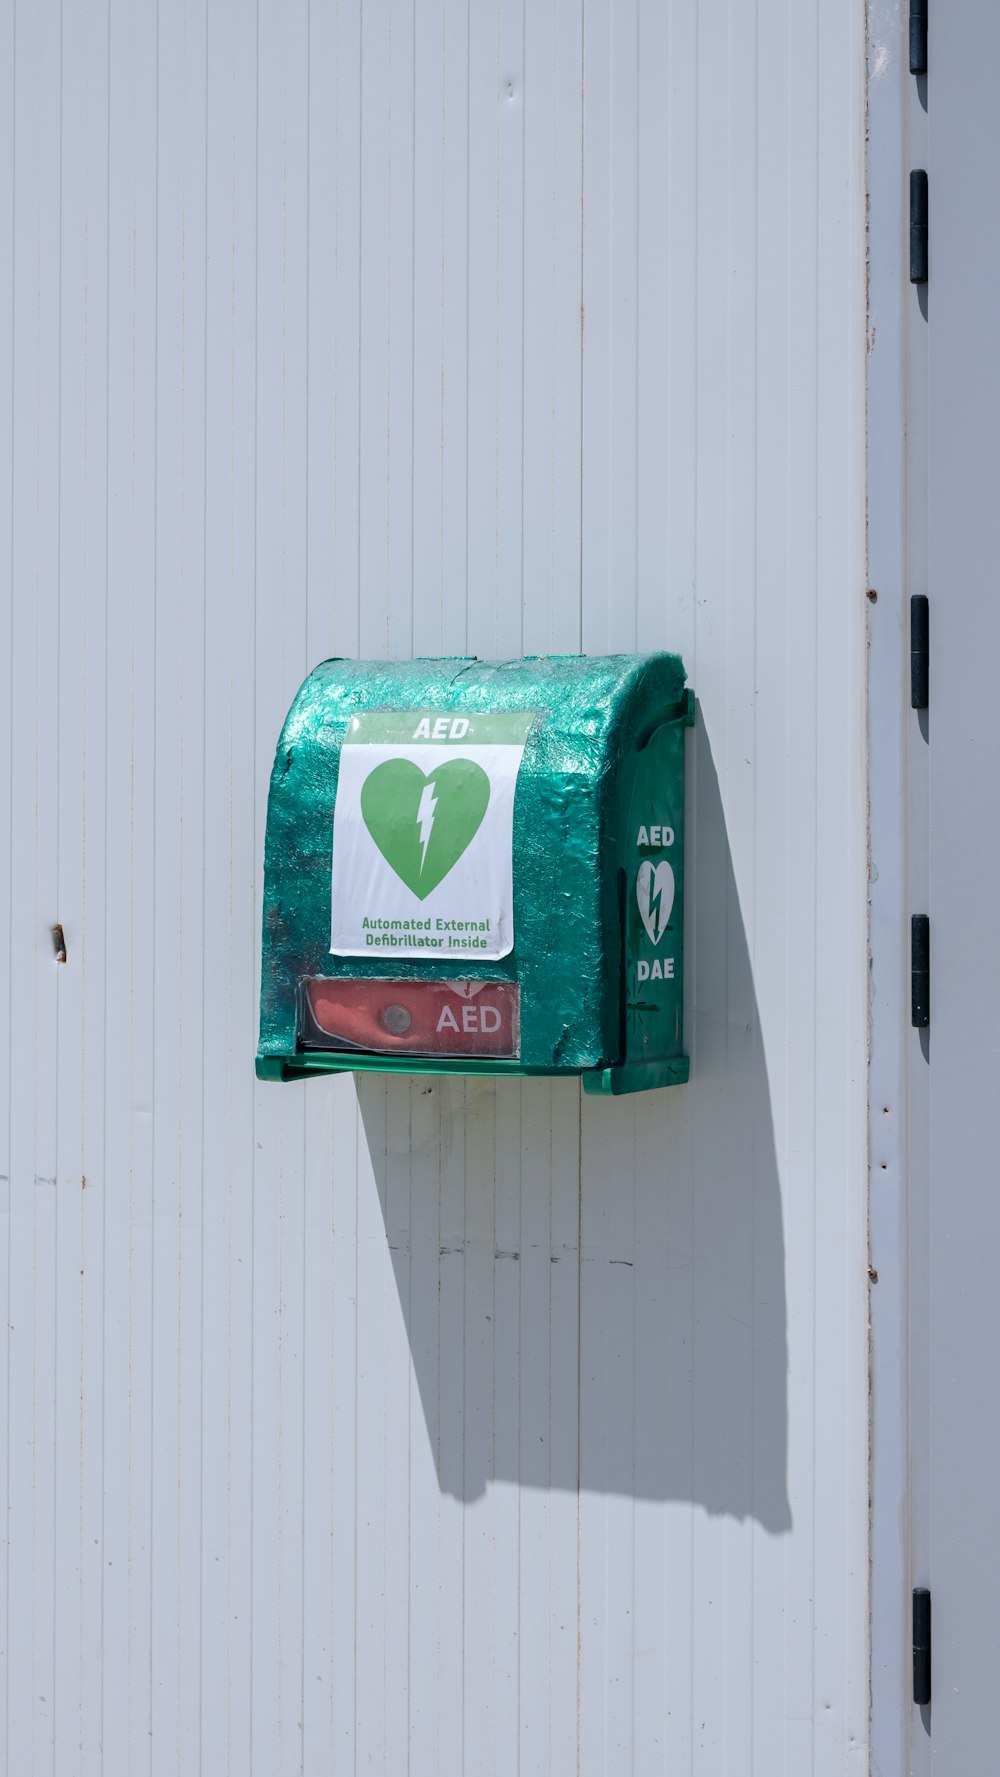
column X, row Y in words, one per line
column 477, row 867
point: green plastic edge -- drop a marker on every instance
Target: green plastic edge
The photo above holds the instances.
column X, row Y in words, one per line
column 349, row 1061
column 639, row 1077
column 599, row 1081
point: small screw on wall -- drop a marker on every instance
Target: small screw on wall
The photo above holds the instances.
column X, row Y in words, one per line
column 59, row 943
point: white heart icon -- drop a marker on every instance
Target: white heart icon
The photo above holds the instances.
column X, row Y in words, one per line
column 654, row 891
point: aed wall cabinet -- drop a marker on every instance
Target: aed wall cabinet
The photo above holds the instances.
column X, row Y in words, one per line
column 477, row 867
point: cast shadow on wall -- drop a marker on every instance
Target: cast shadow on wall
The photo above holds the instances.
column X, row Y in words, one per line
column 594, row 1290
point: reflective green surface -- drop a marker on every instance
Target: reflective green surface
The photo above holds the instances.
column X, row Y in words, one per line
column 603, row 769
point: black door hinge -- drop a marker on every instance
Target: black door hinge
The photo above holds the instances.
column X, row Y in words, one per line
column 918, row 36
column 918, row 227
column 919, row 650
column 921, row 1644
column 920, row 971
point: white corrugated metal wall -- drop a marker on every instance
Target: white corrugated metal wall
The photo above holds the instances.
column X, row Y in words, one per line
column 433, row 1427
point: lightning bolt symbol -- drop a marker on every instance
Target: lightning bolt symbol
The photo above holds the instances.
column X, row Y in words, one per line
column 654, row 911
column 425, row 819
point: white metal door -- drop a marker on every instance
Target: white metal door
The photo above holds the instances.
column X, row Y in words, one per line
column 955, row 838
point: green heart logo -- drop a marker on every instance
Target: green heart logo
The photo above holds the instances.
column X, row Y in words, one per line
column 422, row 825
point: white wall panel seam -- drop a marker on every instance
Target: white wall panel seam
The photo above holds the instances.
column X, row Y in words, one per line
column 10, row 296
column 886, row 628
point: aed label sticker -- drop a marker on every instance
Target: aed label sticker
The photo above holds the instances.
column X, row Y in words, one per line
column 423, row 834
column 655, row 888
column 654, row 891
column 412, row 1017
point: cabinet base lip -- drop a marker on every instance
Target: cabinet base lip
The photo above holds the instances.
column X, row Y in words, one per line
column 637, row 1076
column 602, row 1081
